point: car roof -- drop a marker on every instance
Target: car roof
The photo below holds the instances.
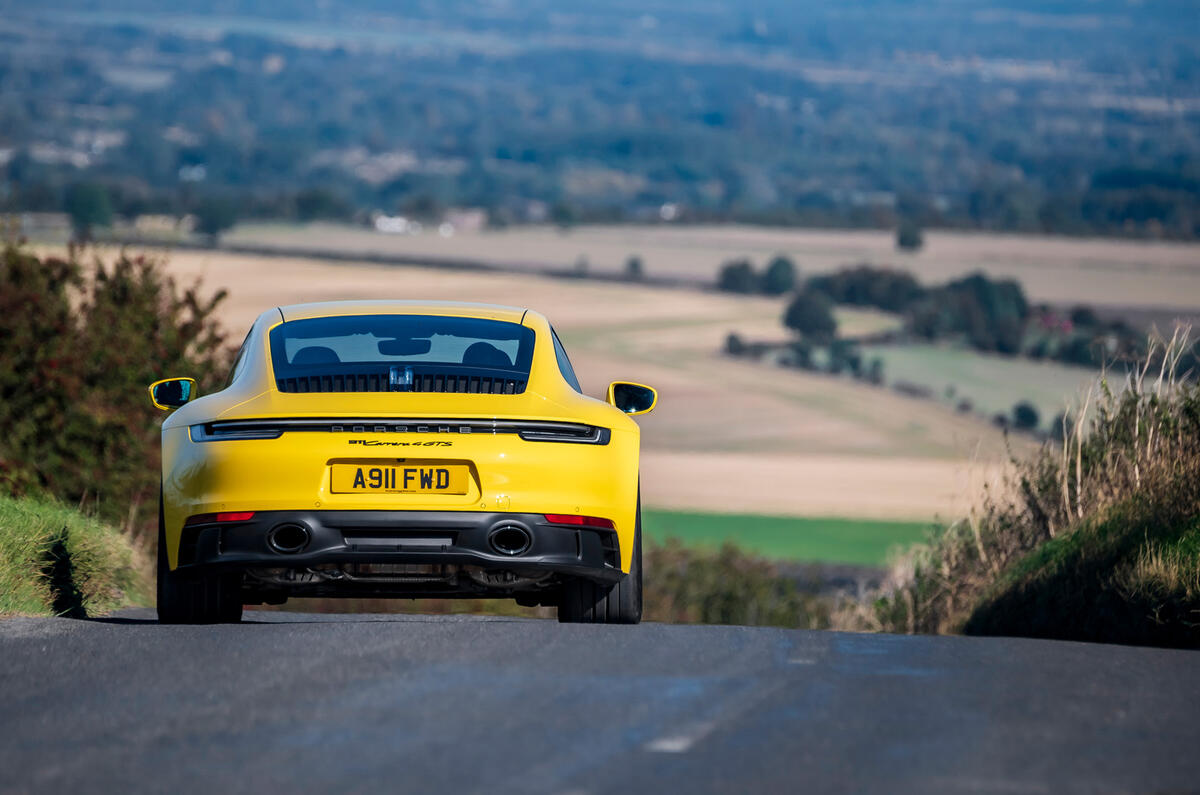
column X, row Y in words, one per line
column 511, row 314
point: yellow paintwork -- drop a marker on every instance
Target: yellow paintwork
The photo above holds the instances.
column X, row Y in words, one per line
column 158, row 405
column 611, row 399
column 292, row 472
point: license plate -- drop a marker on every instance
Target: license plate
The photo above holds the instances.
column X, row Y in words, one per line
column 400, row 479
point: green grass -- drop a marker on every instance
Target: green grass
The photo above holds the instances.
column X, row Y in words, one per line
column 860, row 541
column 994, row 384
column 54, row 560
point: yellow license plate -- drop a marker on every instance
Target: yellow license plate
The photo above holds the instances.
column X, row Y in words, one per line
column 400, row 479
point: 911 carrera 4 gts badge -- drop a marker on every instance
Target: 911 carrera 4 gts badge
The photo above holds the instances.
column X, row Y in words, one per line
column 390, row 443
column 400, row 378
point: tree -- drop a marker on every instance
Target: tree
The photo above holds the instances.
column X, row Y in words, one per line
column 738, row 276
column 810, row 314
column 1084, row 317
column 213, row 216
column 316, row 203
column 81, row 341
column 909, row 236
column 634, row 270
column 780, row 277
column 1025, row 416
column 875, row 371
column 88, row 205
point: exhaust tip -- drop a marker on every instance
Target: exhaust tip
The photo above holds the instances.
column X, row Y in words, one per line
column 288, row 539
column 510, row 539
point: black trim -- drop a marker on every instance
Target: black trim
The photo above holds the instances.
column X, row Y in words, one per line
column 451, row 538
column 530, row 431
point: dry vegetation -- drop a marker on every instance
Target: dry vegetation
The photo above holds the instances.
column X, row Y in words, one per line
column 1098, row 538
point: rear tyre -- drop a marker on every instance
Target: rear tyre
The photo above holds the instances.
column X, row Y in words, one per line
column 191, row 598
column 587, row 602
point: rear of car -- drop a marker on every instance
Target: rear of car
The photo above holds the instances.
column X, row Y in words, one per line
column 387, row 449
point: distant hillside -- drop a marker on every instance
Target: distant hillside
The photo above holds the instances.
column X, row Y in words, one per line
column 1072, row 117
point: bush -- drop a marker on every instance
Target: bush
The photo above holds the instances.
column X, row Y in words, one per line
column 685, row 585
column 1025, row 416
column 865, row 285
column 738, row 276
column 991, row 314
column 635, row 270
column 88, row 205
column 780, row 277
column 78, row 346
column 909, row 236
column 1097, row 538
column 810, row 314
column 214, row 216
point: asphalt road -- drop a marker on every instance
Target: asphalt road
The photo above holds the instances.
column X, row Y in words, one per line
column 371, row 704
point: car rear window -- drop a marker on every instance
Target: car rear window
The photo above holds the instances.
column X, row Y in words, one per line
column 369, row 353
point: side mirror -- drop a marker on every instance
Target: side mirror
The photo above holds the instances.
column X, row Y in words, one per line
column 171, row 393
column 631, row 398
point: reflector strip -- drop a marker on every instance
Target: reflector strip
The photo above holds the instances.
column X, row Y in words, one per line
column 589, row 521
column 229, row 516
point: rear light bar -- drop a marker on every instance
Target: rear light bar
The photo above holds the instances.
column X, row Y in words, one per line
column 586, row 521
column 530, row 431
column 226, row 516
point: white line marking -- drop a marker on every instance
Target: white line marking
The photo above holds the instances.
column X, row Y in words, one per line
column 680, row 743
column 802, row 661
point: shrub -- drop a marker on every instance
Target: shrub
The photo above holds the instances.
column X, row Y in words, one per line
column 1025, row 416
column 78, row 346
column 215, row 215
column 88, row 205
column 634, row 269
column 909, row 236
column 738, row 276
column 866, row 285
column 810, row 314
column 723, row 586
column 875, row 371
column 991, row 314
column 780, row 277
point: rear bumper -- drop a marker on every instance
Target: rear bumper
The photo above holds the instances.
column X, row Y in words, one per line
column 451, row 538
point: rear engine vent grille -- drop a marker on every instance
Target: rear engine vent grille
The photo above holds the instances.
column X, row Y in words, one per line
column 424, row 382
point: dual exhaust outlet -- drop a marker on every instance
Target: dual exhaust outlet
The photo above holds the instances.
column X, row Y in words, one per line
column 290, row 538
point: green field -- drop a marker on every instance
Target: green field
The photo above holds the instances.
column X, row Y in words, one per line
column 994, row 384
column 861, row 541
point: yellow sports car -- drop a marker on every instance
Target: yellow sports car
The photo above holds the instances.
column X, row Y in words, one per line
column 400, row 449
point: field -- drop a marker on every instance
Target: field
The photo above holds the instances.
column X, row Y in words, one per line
column 730, row 436
column 1052, row 269
column 993, row 384
column 831, row 540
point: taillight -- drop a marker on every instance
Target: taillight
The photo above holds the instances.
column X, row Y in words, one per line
column 587, row 521
column 227, row 516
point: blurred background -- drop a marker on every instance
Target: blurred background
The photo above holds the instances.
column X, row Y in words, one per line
column 869, row 251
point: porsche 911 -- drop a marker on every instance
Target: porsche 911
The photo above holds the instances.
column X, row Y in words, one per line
column 400, row 449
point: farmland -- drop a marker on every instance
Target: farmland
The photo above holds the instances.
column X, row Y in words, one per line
column 733, row 436
column 1051, row 269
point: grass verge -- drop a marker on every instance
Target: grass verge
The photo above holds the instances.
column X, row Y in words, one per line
column 826, row 540
column 1097, row 539
column 56, row 561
